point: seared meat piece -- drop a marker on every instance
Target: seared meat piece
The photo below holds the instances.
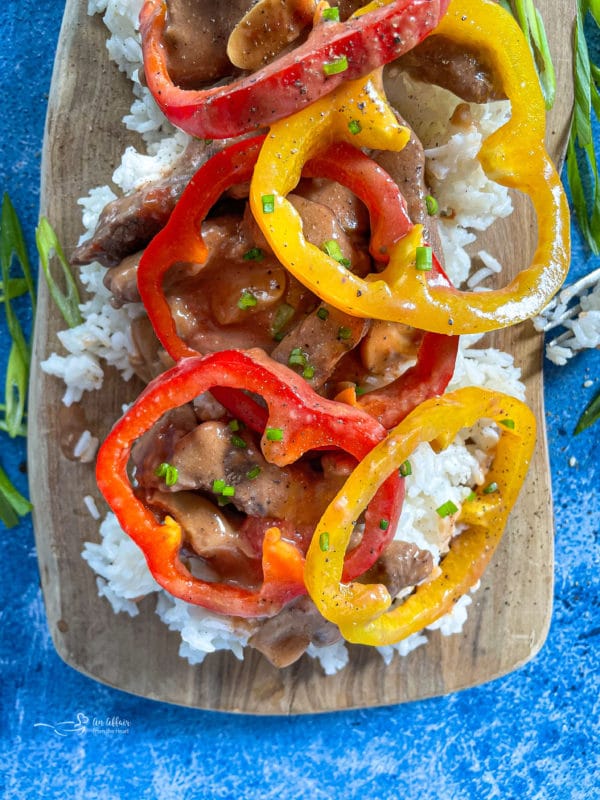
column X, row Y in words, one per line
column 323, row 341
column 401, row 565
column 157, row 444
column 129, row 223
column 295, row 493
column 195, row 39
column 284, row 637
column 149, row 359
column 407, row 169
column 210, row 534
column 446, row 63
column 350, row 212
column 320, row 225
column 121, row 281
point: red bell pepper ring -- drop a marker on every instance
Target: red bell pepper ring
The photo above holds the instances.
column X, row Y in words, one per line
column 376, row 35
column 306, row 421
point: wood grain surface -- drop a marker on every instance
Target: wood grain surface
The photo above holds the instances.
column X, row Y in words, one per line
column 510, row 615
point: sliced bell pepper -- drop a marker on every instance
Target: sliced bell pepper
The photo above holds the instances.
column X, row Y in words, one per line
column 361, row 611
column 333, row 53
column 514, row 156
column 304, row 421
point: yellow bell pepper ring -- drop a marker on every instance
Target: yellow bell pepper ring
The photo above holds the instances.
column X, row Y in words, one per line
column 362, row 611
column 514, row 155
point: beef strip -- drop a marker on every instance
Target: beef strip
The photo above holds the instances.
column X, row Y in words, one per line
column 403, row 564
column 121, row 281
column 156, row 445
column 209, row 533
column 195, row 39
column 296, row 493
column 128, row 223
column 447, row 63
column 149, row 359
column 284, row 638
column 323, row 341
column 407, row 169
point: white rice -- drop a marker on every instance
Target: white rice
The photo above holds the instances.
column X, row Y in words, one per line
column 104, row 339
column 576, row 309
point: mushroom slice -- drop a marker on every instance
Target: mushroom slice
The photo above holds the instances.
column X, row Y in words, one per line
column 265, row 30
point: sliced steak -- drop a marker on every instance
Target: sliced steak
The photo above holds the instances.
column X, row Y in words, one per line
column 403, row 564
column 128, row 223
column 407, row 169
column 195, row 38
column 446, row 63
column 323, row 342
column 284, row 638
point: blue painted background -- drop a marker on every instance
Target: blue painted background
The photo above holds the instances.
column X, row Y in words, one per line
column 533, row 734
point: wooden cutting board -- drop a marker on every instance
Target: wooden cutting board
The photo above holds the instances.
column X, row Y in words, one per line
column 510, row 615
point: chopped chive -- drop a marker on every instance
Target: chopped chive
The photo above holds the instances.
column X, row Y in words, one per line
column 254, row 254
column 331, row 14
column 222, row 501
column 491, row 488
column 508, row 423
column 332, row 248
column 268, row 203
column 470, row 497
column 247, row 300
column 274, row 434
column 308, row 372
column 297, row 358
column 237, row 441
column 432, row 205
column 424, row 257
column 283, row 315
column 446, row 509
column 384, row 524
column 344, row 333
column 218, row 486
column 168, row 472
column 405, row 469
column 359, row 390
column 253, row 473
column 324, row 541
column 323, row 313
column 234, row 425
column 335, row 67
column 228, row 491
column 354, row 127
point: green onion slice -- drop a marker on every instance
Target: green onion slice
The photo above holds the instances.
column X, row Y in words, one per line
column 447, row 509
column 424, row 258
column 66, row 301
column 405, row 469
column 247, row 300
column 335, row 67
